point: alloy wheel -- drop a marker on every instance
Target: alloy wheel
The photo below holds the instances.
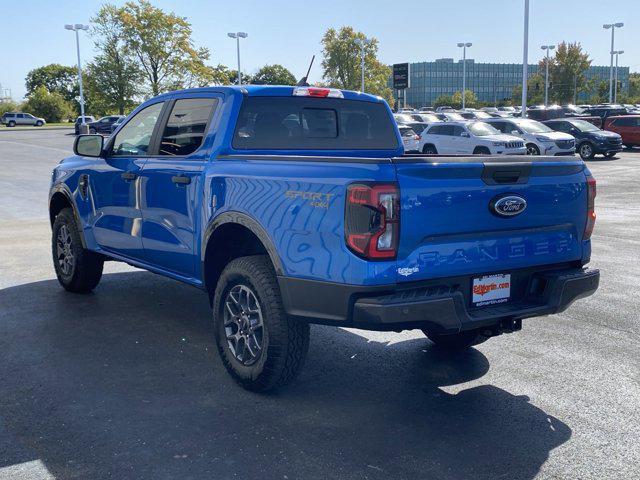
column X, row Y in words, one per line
column 64, row 244
column 243, row 324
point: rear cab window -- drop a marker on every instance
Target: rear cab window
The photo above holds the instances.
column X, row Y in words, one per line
column 292, row 123
column 186, row 126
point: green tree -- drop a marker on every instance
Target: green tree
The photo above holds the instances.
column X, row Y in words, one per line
column 535, row 91
column 112, row 79
column 160, row 43
column 9, row 106
column 634, row 87
column 49, row 105
column 342, row 63
column 470, row 99
column 443, row 101
column 55, row 78
column 566, row 71
column 274, row 75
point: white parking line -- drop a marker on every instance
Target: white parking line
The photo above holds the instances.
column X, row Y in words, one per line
column 36, row 146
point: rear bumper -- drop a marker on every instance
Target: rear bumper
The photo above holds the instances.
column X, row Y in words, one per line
column 438, row 306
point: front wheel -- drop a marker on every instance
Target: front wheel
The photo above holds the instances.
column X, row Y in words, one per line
column 586, row 151
column 92, row 131
column 78, row 270
column 11, row 124
column 532, row 149
column 457, row 341
column 481, row 151
column 261, row 347
column 38, row 123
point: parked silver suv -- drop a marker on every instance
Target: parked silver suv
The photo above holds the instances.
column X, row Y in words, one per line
column 11, row 119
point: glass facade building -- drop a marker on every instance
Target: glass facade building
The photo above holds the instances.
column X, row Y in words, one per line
column 491, row 82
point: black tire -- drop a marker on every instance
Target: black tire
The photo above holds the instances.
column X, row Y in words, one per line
column 430, row 149
column 628, row 146
column 92, row 131
column 283, row 341
column 481, row 151
column 11, row 124
column 457, row 341
column 39, row 123
column 83, row 271
column 532, row 149
column 586, row 151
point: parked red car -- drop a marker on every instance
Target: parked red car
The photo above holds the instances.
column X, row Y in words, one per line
column 627, row 126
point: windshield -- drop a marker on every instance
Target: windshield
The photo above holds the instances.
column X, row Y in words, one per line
column 482, row 115
column 401, row 117
column 481, row 129
column 585, row 126
column 531, row 126
column 429, row 117
column 454, row 116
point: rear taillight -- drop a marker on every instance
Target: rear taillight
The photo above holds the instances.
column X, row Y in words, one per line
column 591, row 213
column 372, row 220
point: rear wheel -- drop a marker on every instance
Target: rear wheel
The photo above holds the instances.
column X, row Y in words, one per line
column 429, row 150
column 78, row 270
column 11, row 124
column 457, row 341
column 481, row 151
column 92, row 131
column 261, row 347
column 532, row 149
column 586, row 151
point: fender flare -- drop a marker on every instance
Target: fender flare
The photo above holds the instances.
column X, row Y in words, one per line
column 63, row 189
column 247, row 222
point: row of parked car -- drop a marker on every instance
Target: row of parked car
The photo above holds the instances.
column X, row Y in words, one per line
column 448, row 131
column 105, row 125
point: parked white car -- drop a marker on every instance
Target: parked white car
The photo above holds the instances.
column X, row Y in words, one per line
column 469, row 137
column 538, row 137
column 410, row 139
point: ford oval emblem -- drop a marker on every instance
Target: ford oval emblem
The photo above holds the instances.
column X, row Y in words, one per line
column 508, row 205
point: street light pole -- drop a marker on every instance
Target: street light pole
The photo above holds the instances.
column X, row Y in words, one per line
column 548, row 48
column 464, row 70
column 615, row 84
column 525, row 58
column 76, row 27
column 613, row 27
column 362, row 42
column 238, row 36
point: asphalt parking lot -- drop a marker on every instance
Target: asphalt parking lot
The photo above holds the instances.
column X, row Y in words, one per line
column 125, row 382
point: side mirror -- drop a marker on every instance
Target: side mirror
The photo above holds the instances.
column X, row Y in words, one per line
column 88, row 145
column 515, row 132
column 465, row 134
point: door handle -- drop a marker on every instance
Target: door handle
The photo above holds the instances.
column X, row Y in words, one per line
column 128, row 176
column 181, row 180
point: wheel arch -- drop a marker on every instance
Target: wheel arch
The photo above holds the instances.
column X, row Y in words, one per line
column 60, row 198
column 235, row 234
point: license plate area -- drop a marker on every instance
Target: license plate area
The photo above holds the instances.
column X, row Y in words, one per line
column 490, row 289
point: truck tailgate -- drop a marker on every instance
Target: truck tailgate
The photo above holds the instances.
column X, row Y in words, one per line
column 449, row 225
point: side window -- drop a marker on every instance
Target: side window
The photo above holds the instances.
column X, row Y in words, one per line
column 134, row 138
column 186, row 125
column 20, row 115
column 502, row 126
column 457, row 130
column 435, row 130
column 446, row 130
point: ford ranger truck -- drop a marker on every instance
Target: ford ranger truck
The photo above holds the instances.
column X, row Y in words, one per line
column 298, row 205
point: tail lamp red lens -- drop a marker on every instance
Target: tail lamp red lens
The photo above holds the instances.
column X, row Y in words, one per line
column 372, row 220
column 591, row 213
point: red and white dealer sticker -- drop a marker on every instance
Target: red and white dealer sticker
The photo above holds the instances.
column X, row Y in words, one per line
column 491, row 289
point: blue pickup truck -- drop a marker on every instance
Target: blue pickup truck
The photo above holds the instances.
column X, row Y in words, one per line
column 297, row 205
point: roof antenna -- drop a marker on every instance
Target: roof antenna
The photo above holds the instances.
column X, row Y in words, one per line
column 303, row 80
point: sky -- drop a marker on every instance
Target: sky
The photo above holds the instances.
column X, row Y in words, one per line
column 289, row 32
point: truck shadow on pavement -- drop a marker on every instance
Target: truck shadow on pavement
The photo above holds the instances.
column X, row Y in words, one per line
column 126, row 383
